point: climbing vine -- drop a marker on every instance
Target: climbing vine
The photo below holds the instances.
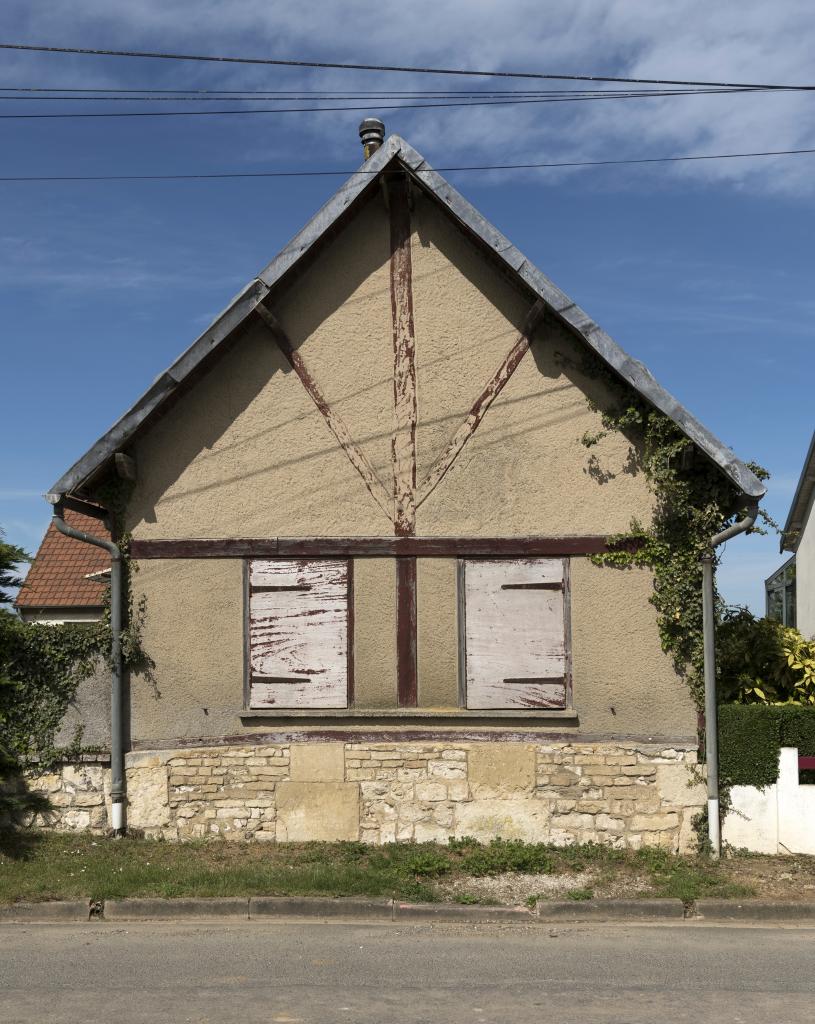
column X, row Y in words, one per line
column 44, row 664
column 693, row 501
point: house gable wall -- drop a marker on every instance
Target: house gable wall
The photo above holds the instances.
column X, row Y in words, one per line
column 247, row 454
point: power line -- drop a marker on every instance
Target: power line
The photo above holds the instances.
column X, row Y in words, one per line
column 346, row 173
column 149, row 90
column 314, row 110
column 170, row 96
column 334, row 65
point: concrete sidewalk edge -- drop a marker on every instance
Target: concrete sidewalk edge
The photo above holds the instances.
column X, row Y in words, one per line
column 265, row 907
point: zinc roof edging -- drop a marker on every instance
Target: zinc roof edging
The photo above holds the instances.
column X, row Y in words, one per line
column 800, row 501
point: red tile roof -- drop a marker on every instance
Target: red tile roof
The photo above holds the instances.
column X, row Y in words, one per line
column 56, row 578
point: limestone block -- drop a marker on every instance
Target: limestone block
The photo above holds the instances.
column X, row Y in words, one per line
column 606, row 823
column 317, row 762
column 446, row 769
column 83, row 778
column 485, row 820
column 676, row 786
column 427, row 832
column 324, row 811
column 654, row 822
column 501, row 769
column 431, row 791
column 458, row 789
column 148, row 803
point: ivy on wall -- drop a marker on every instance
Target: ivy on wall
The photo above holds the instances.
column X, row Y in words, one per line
column 693, row 501
column 45, row 663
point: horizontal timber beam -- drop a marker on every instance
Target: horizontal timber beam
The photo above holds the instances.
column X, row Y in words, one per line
column 373, row 547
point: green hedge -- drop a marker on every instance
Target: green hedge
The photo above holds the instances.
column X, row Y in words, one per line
column 750, row 736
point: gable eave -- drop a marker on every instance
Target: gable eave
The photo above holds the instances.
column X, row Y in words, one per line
column 802, row 499
column 243, row 305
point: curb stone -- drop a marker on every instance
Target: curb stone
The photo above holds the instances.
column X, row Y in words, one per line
column 546, row 912
column 53, row 910
column 458, row 912
column 154, row 909
column 610, row 910
column 753, row 910
column 294, row 906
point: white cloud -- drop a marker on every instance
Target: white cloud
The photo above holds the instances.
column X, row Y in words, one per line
column 748, row 41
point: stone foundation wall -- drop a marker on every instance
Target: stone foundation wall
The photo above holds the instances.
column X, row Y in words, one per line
column 623, row 794
column 80, row 794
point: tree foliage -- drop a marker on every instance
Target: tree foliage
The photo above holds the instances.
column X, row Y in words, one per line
column 759, row 661
column 17, row 804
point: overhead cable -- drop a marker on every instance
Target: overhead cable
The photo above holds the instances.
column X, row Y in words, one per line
column 418, row 172
column 342, row 66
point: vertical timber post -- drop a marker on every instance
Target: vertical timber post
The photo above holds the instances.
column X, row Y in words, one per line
column 403, row 441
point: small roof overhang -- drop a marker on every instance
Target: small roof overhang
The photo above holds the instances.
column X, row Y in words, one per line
column 801, row 502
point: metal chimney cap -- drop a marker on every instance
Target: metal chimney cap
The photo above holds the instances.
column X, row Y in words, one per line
column 372, row 133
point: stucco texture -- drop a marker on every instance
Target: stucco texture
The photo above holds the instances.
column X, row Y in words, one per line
column 246, row 452
column 624, row 684
column 194, row 636
column 375, row 632
column 525, row 470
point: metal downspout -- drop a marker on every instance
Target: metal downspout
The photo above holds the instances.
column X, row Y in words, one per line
column 709, row 641
column 117, row 777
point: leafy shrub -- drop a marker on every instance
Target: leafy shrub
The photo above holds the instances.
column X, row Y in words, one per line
column 750, row 737
column 428, row 863
column 759, row 661
column 506, row 855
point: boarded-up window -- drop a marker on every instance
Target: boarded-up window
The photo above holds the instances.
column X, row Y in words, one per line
column 515, row 629
column 298, row 633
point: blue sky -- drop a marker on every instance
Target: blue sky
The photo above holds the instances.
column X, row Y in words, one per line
column 703, row 271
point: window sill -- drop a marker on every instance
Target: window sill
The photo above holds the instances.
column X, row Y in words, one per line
column 437, row 714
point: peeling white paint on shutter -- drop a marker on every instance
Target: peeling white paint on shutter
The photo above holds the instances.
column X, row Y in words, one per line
column 514, row 633
column 298, row 633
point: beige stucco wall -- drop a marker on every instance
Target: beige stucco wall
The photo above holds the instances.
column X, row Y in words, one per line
column 617, row 661
column 437, row 631
column 245, row 453
column 524, row 470
column 194, row 636
column 194, row 633
column 374, row 632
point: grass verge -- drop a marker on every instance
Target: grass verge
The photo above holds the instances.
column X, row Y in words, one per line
column 46, row 866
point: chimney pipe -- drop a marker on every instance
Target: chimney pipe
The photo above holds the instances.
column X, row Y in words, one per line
column 372, row 133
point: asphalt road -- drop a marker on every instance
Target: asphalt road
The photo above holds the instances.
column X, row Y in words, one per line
column 287, row 973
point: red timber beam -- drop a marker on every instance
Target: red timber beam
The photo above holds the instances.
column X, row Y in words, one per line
column 359, row 460
column 403, row 441
column 375, row 547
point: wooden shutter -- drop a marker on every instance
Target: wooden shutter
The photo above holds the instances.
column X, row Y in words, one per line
column 298, row 633
column 515, row 635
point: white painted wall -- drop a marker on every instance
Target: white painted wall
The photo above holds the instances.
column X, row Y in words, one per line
column 805, row 574
column 778, row 819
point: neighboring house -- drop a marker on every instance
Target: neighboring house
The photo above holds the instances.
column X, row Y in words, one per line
column 361, row 515
column 67, row 582
column 780, row 594
column 797, row 574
